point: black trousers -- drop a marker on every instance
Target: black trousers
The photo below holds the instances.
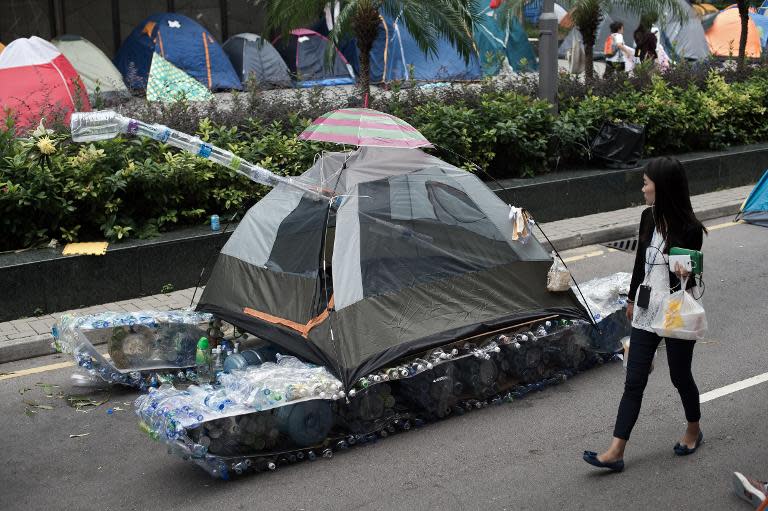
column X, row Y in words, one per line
column 612, row 68
column 642, row 346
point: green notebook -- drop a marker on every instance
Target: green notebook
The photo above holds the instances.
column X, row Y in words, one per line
column 697, row 258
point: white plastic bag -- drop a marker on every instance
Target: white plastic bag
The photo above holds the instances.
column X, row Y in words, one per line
column 680, row 316
column 625, row 356
column 558, row 276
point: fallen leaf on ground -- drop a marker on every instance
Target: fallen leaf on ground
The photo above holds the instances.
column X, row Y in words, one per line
column 81, row 401
column 35, row 404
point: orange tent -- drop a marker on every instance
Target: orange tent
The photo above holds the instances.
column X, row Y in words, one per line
column 723, row 35
column 2, row 47
column 567, row 21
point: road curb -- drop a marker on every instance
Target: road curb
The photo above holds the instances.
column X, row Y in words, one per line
column 627, row 230
column 26, row 347
column 40, row 345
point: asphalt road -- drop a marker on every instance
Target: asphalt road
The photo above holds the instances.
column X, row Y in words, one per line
column 526, row 455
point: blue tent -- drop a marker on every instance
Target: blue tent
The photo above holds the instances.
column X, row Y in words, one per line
column 396, row 56
column 761, row 22
column 763, row 9
column 532, row 11
column 494, row 43
column 755, row 208
column 182, row 42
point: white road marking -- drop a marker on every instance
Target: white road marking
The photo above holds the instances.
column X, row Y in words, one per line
column 733, row 387
column 723, row 226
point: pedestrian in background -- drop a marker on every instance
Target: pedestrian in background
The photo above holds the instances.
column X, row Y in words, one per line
column 668, row 222
column 619, row 52
column 645, row 44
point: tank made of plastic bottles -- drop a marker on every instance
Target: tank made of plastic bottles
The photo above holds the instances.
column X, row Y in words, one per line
column 251, row 357
column 306, row 423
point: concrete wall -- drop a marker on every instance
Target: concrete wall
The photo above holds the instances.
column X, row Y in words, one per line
column 92, row 19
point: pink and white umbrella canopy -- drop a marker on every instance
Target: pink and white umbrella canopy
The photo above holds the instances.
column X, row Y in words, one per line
column 364, row 127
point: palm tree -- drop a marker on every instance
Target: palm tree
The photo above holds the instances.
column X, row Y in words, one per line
column 587, row 14
column 426, row 20
column 743, row 7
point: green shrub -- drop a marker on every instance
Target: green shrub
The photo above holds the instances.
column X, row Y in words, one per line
column 125, row 188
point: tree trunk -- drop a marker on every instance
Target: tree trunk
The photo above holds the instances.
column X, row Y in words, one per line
column 744, row 14
column 365, row 73
column 589, row 62
column 366, row 28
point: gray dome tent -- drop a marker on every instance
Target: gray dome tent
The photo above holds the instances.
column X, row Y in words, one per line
column 411, row 254
column 253, row 56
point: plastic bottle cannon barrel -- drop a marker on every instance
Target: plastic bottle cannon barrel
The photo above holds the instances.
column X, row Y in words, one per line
column 107, row 124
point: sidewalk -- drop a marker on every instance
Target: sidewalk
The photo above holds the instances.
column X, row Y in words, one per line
column 31, row 337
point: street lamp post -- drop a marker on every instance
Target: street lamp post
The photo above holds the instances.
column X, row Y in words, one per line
column 548, row 54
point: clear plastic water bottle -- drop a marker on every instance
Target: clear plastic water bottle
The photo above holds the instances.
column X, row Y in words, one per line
column 203, row 360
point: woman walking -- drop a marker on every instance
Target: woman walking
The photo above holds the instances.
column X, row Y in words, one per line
column 668, row 222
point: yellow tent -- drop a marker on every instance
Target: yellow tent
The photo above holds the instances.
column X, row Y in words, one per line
column 723, row 35
column 704, row 9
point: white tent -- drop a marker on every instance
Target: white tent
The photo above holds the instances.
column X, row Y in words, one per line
column 94, row 68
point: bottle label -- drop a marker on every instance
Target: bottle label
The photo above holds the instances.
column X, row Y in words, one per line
column 205, row 150
column 162, row 134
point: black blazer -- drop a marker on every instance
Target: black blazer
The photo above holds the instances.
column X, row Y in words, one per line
column 691, row 239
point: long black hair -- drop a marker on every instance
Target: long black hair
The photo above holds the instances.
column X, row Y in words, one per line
column 672, row 211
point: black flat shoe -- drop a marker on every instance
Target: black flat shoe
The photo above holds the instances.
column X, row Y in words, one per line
column 614, row 466
column 684, row 450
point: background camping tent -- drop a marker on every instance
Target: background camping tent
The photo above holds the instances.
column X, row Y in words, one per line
column 168, row 83
column 2, row 47
column 254, row 57
column 395, row 53
column 37, row 81
column 560, row 12
column 761, row 22
column 304, row 51
column 182, row 42
column 723, row 35
column 755, row 208
column 94, row 68
column 495, row 43
column 420, row 254
column 681, row 39
column 704, row 9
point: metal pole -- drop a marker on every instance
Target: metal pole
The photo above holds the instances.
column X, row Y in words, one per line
column 224, row 12
column 52, row 18
column 548, row 54
column 116, row 37
column 62, row 22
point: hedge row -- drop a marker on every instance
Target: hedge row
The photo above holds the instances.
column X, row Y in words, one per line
column 52, row 188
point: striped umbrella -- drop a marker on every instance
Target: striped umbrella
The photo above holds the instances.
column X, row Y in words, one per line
column 364, row 127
